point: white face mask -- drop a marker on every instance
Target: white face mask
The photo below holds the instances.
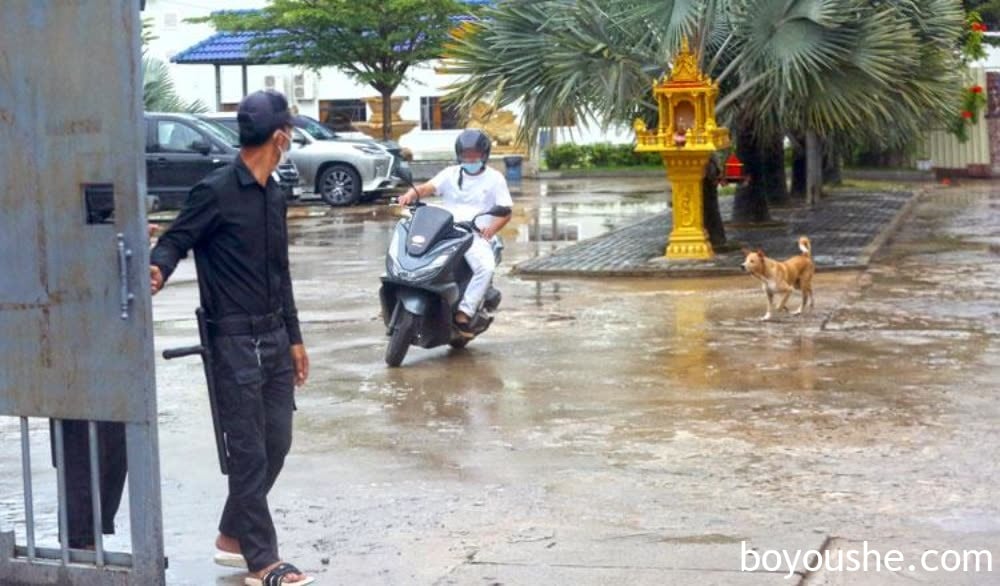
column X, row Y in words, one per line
column 283, row 152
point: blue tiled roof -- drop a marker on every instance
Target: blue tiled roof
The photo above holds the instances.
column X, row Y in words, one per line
column 221, row 48
column 234, row 48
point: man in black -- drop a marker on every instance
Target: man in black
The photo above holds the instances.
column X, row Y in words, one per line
column 235, row 221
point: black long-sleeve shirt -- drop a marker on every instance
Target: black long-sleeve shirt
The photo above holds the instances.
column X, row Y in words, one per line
column 239, row 233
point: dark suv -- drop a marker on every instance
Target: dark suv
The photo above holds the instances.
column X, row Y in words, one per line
column 182, row 149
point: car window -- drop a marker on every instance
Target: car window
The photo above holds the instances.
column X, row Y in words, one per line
column 298, row 139
column 222, row 133
column 315, row 129
column 176, row 137
column 229, row 123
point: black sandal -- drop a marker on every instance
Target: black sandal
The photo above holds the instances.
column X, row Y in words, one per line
column 276, row 577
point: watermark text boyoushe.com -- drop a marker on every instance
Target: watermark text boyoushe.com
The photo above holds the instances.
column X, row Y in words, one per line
column 864, row 559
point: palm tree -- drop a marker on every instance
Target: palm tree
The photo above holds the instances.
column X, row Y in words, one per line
column 159, row 93
column 582, row 59
column 852, row 69
column 819, row 68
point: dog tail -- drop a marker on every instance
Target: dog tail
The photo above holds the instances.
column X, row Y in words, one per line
column 805, row 246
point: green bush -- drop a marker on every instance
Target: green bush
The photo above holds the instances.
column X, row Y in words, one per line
column 648, row 159
column 566, row 155
column 602, row 154
column 599, row 155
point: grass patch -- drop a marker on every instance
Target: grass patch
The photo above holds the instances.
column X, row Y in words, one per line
column 866, row 185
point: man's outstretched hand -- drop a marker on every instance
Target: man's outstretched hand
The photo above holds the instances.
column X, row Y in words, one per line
column 155, row 279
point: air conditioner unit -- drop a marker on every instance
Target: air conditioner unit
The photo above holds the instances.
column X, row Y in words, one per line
column 270, row 82
column 303, row 87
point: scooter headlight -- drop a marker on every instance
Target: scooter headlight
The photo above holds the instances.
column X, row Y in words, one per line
column 434, row 266
column 426, row 272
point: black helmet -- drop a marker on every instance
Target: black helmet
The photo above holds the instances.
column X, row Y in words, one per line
column 473, row 139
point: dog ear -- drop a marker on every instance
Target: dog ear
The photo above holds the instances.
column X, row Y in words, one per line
column 760, row 252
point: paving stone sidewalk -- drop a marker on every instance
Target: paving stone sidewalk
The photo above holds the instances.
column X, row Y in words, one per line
column 846, row 229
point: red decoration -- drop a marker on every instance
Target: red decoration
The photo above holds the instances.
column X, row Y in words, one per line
column 966, row 114
column 978, row 27
column 977, row 89
column 734, row 168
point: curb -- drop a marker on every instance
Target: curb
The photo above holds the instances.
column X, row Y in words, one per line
column 883, row 237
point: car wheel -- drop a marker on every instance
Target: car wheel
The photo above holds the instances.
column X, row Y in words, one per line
column 339, row 185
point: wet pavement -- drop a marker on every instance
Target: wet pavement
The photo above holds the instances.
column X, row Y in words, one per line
column 613, row 431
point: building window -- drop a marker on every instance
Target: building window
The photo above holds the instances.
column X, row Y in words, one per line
column 229, row 107
column 438, row 115
column 342, row 114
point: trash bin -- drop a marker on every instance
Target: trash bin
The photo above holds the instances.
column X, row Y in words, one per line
column 513, row 166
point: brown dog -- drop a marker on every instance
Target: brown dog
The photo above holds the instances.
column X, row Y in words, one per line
column 782, row 277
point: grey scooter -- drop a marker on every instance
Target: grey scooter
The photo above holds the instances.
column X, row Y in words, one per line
column 426, row 277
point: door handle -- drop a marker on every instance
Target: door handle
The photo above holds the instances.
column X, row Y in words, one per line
column 124, row 255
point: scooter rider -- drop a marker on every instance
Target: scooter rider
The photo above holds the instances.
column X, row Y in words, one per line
column 467, row 189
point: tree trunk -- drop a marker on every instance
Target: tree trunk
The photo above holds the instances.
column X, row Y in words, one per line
column 832, row 166
column 750, row 204
column 799, row 167
column 713, row 216
column 387, row 115
column 814, row 167
column 775, row 182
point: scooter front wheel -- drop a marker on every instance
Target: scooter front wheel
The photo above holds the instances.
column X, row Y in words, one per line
column 403, row 333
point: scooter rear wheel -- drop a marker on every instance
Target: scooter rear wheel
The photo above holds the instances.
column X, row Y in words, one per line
column 402, row 335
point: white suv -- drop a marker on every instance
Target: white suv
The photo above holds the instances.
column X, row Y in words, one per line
column 340, row 172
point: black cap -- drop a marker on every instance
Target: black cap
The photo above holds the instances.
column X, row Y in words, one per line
column 260, row 114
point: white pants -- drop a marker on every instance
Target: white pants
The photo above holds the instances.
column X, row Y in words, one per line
column 481, row 261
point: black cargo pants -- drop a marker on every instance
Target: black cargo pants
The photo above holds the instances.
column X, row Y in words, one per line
column 254, row 378
column 112, row 467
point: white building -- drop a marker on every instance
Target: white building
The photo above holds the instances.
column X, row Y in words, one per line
column 328, row 95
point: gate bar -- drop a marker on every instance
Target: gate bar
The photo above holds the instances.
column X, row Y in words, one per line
column 95, row 493
column 29, row 501
column 77, row 556
column 61, row 474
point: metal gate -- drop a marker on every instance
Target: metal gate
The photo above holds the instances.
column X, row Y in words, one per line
column 75, row 309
